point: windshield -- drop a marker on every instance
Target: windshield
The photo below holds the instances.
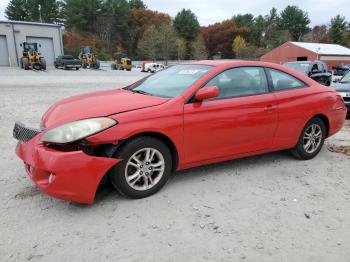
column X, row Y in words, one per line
column 300, row 67
column 30, row 47
column 346, row 78
column 172, row 81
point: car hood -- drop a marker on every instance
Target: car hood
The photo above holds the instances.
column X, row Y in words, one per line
column 341, row 87
column 97, row 104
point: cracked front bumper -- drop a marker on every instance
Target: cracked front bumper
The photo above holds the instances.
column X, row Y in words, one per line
column 71, row 176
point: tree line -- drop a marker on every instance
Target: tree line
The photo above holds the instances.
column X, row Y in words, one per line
column 129, row 27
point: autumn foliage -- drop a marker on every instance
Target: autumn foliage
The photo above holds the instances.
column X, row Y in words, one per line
column 218, row 37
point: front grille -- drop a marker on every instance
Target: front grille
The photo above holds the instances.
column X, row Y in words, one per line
column 346, row 99
column 23, row 133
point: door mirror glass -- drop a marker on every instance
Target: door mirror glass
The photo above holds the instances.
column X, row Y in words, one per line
column 207, row 93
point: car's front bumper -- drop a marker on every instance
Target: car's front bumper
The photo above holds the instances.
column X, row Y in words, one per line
column 73, row 66
column 71, row 176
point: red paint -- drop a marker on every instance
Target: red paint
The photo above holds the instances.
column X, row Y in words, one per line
column 207, row 93
column 202, row 132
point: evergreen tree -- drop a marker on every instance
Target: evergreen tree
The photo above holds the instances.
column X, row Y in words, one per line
column 295, row 21
column 339, row 30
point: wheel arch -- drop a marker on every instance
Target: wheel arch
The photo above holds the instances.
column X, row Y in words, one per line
column 325, row 120
column 165, row 139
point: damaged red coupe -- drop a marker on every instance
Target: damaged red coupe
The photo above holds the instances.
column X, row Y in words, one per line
column 186, row 116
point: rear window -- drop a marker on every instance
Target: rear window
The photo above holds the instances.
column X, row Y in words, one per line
column 300, row 67
column 284, row 81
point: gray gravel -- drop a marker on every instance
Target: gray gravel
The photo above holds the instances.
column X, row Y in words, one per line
column 263, row 208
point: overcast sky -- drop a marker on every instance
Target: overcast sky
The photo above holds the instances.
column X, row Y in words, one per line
column 211, row 11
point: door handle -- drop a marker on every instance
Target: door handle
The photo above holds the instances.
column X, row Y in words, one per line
column 270, row 108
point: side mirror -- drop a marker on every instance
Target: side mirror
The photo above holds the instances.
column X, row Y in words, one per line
column 207, row 93
column 39, row 45
column 20, row 45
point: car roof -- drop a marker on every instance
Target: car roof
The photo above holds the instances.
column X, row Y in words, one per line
column 223, row 64
column 233, row 63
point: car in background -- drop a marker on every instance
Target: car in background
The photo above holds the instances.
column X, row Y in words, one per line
column 188, row 115
column 151, row 67
column 66, row 62
column 341, row 70
column 316, row 70
column 342, row 86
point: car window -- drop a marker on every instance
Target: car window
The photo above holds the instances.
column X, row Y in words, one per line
column 241, row 81
column 321, row 67
column 283, row 81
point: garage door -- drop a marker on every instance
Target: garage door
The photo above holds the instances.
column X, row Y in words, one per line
column 4, row 53
column 46, row 48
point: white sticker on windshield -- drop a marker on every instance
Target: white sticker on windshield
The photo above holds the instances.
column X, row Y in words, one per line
column 188, row 72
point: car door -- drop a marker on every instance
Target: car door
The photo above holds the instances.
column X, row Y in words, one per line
column 242, row 119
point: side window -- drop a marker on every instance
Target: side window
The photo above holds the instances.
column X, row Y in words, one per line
column 283, row 81
column 241, row 81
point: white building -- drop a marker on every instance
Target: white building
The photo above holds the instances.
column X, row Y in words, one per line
column 14, row 33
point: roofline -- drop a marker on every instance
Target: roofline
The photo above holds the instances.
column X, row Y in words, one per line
column 29, row 23
column 296, row 44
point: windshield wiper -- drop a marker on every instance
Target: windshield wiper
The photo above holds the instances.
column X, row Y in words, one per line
column 141, row 92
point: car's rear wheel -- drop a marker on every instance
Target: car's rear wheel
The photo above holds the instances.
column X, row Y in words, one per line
column 311, row 140
column 145, row 168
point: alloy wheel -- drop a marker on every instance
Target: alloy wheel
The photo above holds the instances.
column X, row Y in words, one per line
column 144, row 169
column 312, row 138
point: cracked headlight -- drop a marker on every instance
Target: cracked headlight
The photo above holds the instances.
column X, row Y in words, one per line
column 77, row 130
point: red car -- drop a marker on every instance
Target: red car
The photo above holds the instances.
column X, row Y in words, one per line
column 186, row 116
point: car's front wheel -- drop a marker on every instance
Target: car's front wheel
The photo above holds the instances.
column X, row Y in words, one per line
column 145, row 168
column 311, row 140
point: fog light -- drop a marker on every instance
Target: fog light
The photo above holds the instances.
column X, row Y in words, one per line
column 51, row 178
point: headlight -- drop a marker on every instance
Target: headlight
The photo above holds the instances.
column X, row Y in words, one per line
column 77, row 130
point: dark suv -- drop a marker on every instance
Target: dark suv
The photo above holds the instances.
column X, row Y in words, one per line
column 317, row 70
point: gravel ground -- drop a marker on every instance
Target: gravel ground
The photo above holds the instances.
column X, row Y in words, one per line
column 263, row 208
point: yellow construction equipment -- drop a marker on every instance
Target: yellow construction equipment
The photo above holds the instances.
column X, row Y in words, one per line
column 31, row 58
column 88, row 58
column 121, row 63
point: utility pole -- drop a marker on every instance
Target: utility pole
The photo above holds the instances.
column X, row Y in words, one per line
column 39, row 7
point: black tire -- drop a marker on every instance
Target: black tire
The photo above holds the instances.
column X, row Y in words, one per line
column 118, row 173
column 21, row 63
column 299, row 150
column 42, row 63
column 77, row 68
column 25, row 62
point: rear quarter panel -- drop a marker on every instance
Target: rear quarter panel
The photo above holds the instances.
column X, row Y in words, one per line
column 297, row 106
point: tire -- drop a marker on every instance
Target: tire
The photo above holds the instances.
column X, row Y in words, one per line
column 77, row 68
column 141, row 186
column 25, row 62
column 42, row 63
column 304, row 150
column 97, row 64
column 21, row 63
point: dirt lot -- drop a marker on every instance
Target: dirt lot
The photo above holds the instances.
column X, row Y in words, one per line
column 264, row 208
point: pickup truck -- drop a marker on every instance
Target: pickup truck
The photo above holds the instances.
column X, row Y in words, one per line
column 66, row 62
column 317, row 70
